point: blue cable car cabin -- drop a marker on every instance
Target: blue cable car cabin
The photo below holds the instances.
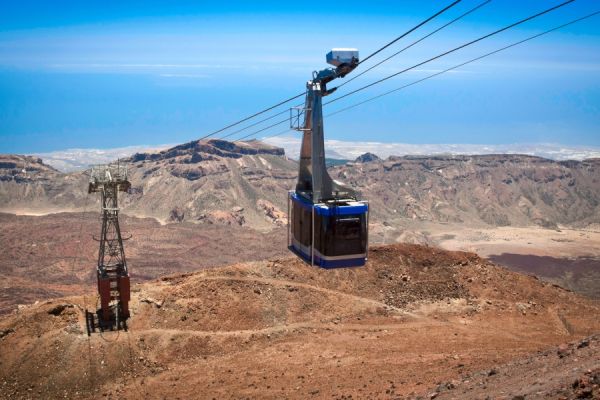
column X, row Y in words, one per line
column 331, row 234
column 327, row 225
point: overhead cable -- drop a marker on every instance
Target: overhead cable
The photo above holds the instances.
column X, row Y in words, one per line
column 429, row 60
column 453, row 50
column 453, row 67
column 253, row 115
column 270, row 136
column 263, row 129
column 477, row 7
column 303, row 93
column 464, row 63
column 258, row 123
column 410, row 31
column 387, row 45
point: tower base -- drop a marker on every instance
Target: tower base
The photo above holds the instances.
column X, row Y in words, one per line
column 95, row 322
column 114, row 293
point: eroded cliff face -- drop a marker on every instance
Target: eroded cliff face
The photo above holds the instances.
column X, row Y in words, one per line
column 246, row 183
column 497, row 190
column 212, row 181
column 199, row 150
column 27, row 185
column 23, row 168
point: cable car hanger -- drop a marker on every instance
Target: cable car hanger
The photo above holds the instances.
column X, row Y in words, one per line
column 328, row 225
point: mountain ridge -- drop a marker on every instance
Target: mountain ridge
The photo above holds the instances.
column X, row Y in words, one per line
column 216, row 181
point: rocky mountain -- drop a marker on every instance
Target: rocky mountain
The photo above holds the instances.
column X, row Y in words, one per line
column 367, row 157
column 23, row 168
column 246, row 183
column 214, row 182
column 229, row 314
column 27, row 185
column 496, row 190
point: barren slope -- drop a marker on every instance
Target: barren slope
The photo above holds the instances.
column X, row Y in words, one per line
column 246, row 183
column 497, row 190
column 415, row 316
column 55, row 255
column 568, row 371
column 27, row 185
column 215, row 182
column 212, row 182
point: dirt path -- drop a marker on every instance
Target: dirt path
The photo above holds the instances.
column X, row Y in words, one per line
column 413, row 318
column 279, row 282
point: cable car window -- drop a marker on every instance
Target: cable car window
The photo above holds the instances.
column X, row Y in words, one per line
column 348, row 228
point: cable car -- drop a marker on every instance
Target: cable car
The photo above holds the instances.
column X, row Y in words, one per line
column 327, row 224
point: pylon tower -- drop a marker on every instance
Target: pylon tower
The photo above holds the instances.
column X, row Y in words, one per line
column 111, row 271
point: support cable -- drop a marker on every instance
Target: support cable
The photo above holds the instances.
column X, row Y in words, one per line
column 453, row 50
column 258, row 123
column 263, row 129
column 429, row 60
column 410, row 31
column 452, row 68
column 477, row 7
column 253, row 115
column 254, row 133
column 381, row 62
column 303, row 93
column 465, row 63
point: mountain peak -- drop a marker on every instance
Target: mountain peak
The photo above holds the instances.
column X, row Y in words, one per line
column 20, row 168
column 367, row 157
column 200, row 150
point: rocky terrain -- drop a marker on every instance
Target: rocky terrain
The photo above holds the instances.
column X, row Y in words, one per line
column 55, row 255
column 28, row 185
column 568, row 256
column 416, row 322
column 211, row 182
column 568, row 371
column 24, row 169
column 497, row 190
column 213, row 187
column 212, row 319
column 246, row 183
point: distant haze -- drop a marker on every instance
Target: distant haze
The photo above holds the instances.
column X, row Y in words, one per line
column 78, row 159
column 351, row 150
column 86, row 75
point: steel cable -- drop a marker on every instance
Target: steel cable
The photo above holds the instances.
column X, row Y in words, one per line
column 410, row 31
column 465, row 63
column 477, row 7
column 253, row 115
column 454, row 67
column 427, row 61
column 376, row 65
column 303, row 93
column 522, row 21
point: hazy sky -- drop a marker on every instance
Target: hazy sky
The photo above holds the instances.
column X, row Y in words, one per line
column 110, row 74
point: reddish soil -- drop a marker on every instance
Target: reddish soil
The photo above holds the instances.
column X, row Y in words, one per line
column 569, row 371
column 55, row 255
column 414, row 318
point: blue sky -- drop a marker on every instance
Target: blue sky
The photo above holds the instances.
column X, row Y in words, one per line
column 113, row 74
